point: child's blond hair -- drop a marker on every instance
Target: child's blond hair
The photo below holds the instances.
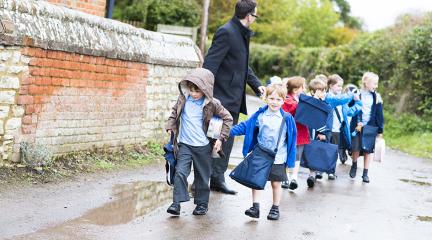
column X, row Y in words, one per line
column 369, row 76
column 278, row 88
column 293, row 83
column 322, row 77
column 317, row 84
column 334, row 79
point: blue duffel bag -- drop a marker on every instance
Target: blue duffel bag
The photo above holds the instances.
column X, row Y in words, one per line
column 369, row 134
column 254, row 170
column 312, row 112
column 320, row 156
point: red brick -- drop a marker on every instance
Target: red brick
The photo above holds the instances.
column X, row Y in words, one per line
column 29, row 109
column 26, row 129
column 37, row 71
column 27, row 120
column 23, row 90
column 25, row 99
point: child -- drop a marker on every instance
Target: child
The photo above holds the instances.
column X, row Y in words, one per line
column 263, row 128
column 340, row 119
column 295, row 86
column 371, row 114
column 189, row 122
column 318, row 89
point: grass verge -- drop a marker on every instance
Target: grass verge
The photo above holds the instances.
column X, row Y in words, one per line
column 95, row 160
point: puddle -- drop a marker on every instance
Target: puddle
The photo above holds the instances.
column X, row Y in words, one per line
column 131, row 201
column 415, row 182
column 424, row 218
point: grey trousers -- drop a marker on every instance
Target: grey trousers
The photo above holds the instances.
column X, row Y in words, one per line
column 199, row 157
column 220, row 165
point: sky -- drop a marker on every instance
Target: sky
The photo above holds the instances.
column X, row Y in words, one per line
column 378, row 14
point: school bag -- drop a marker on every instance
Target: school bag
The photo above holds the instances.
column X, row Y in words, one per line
column 320, row 156
column 343, row 138
column 312, row 112
column 171, row 161
column 254, row 170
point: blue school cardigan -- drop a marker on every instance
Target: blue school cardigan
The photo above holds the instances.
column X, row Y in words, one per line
column 249, row 129
column 377, row 116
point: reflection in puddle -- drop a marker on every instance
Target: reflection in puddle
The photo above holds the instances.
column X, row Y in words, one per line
column 130, row 201
column 424, row 218
column 415, row 182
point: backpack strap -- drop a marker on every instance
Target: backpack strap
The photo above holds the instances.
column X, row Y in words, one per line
column 284, row 117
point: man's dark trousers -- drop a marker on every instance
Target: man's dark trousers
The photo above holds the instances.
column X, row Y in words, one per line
column 220, row 165
column 199, row 156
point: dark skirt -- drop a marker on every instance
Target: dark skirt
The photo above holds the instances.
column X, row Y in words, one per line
column 356, row 145
column 278, row 173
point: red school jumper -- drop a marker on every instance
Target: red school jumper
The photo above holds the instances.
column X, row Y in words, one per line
column 290, row 105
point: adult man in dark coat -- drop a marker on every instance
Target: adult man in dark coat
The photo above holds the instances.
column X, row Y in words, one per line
column 228, row 60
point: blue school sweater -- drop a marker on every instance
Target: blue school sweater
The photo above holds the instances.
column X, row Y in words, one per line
column 250, row 130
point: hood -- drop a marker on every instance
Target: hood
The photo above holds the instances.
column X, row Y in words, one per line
column 204, row 80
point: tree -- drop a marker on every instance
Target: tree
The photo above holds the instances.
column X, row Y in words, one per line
column 153, row 12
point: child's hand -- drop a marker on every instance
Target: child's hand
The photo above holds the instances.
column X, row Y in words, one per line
column 356, row 97
column 169, row 131
column 321, row 137
column 359, row 127
column 217, row 146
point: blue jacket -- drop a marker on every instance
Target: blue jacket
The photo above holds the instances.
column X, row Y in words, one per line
column 377, row 115
column 349, row 112
column 334, row 101
column 249, row 129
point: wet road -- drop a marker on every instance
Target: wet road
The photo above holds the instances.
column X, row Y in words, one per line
column 397, row 204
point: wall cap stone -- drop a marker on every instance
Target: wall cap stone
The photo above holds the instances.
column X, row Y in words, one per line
column 44, row 25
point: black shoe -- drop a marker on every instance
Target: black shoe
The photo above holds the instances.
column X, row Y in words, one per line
column 332, row 176
column 200, row 209
column 365, row 179
column 252, row 212
column 311, row 181
column 318, row 175
column 174, row 209
column 353, row 172
column 222, row 187
column 293, row 184
column 273, row 214
column 285, row 184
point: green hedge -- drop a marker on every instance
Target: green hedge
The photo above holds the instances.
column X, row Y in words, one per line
column 401, row 56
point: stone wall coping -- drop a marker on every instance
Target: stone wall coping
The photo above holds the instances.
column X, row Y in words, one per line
column 44, row 25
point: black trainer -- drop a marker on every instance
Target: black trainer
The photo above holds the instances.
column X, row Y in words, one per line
column 311, row 181
column 273, row 214
column 253, row 212
column 285, row 184
column 174, row 209
column 200, row 209
column 318, row 175
column 353, row 171
column 365, row 179
column 293, row 184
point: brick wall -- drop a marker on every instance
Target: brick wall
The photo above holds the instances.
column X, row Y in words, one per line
column 72, row 81
column 95, row 7
column 72, row 101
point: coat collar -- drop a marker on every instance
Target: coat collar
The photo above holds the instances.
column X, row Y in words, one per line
column 245, row 31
